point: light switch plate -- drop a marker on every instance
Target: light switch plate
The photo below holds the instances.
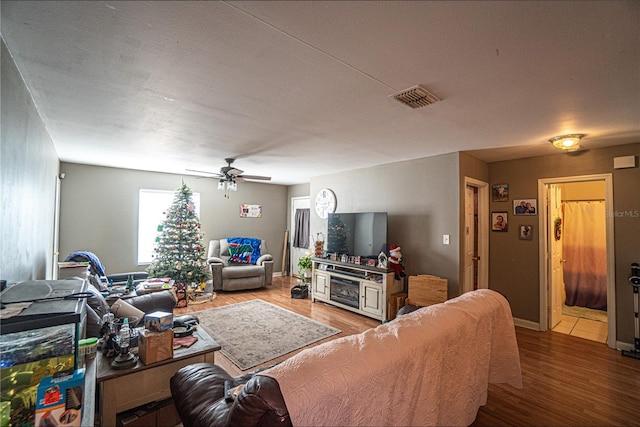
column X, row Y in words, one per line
column 445, row 239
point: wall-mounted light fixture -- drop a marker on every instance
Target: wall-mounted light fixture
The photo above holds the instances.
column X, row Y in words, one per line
column 567, row 142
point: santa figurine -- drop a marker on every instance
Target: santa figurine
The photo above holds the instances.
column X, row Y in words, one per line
column 395, row 261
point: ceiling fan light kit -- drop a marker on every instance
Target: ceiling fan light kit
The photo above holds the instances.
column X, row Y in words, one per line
column 569, row 142
column 229, row 175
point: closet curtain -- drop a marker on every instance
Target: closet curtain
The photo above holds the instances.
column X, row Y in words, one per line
column 301, row 232
column 584, row 249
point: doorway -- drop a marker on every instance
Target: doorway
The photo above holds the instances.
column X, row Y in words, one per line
column 298, row 249
column 574, row 226
column 475, row 235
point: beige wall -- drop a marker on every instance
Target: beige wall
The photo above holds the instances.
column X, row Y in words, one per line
column 514, row 263
column 99, row 212
column 422, row 201
column 28, row 172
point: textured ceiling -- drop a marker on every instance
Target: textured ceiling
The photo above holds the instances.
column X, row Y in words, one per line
column 300, row 89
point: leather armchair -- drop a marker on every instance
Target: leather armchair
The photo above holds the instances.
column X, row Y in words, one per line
column 227, row 276
column 198, row 393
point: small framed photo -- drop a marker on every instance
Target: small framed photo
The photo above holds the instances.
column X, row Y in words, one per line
column 499, row 221
column 526, row 232
column 525, row 207
column 500, row 192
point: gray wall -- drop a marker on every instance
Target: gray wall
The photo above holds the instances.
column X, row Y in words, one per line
column 422, row 201
column 514, row 263
column 28, row 172
column 99, row 212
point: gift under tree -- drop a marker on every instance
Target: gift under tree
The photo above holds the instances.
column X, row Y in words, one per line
column 179, row 253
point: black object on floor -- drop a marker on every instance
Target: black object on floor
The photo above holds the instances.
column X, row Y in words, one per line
column 299, row 292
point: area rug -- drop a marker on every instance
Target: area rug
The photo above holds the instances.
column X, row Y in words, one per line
column 253, row 332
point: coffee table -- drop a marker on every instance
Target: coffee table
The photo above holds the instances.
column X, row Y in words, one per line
column 121, row 390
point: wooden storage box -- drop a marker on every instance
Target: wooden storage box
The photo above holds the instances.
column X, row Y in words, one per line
column 396, row 302
column 155, row 346
column 425, row 290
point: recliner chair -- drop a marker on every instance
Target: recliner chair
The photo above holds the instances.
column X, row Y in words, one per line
column 229, row 276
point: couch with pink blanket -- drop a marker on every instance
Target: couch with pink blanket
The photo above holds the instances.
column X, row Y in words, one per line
column 429, row 367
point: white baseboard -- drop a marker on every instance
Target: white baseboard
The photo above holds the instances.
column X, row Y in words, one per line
column 526, row 324
column 623, row 346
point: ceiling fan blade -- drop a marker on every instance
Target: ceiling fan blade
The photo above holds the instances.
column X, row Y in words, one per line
column 255, row 177
column 213, row 174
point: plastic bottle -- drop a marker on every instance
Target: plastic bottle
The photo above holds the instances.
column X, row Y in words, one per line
column 124, row 336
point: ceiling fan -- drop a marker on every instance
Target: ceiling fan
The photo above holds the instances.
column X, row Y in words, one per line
column 230, row 175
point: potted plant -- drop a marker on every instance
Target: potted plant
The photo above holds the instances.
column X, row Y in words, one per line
column 304, row 267
column 301, row 290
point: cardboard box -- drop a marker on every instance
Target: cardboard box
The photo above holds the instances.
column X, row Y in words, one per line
column 158, row 321
column 59, row 400
column 155, row 346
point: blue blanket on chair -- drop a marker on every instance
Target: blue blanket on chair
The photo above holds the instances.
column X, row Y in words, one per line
column 244, row 250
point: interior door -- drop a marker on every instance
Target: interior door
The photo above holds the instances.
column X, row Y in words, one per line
column 470, row 256
column 556, row 281
column 296, row 253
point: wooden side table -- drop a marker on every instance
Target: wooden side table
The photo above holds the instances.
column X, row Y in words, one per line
column 120, row 390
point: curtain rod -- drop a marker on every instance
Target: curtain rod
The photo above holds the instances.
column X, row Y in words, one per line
column 584, row 200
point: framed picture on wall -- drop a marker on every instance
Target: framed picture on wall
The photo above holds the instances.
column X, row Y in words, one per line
column 525, row 207
column 500, row 192
column 526, row 232
column 499, row 221
column 250, row 211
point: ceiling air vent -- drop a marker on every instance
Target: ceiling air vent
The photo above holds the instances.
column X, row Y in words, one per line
column 415, row 97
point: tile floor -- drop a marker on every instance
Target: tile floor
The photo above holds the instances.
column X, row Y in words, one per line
column 583, row 328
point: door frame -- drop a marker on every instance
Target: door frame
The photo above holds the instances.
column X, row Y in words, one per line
column 543, row 249
column 293, row 258
column 55, row 253
column 483, row 234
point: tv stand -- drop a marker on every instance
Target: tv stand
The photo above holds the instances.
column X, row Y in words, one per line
column 358, row 288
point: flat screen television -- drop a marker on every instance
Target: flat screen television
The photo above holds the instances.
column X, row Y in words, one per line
column 357, row 234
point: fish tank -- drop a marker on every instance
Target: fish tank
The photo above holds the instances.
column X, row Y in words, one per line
column 38, row 341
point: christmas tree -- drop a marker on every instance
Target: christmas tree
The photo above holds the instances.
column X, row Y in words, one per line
column 179, row 252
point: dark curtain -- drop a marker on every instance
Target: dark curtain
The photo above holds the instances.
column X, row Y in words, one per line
column 301, row 233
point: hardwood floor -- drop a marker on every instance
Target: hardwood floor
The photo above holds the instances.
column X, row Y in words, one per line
column 567, row 380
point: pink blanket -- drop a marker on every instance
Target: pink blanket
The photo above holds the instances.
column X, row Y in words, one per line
column 429, row 367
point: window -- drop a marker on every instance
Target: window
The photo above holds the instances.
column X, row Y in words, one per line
column 152, row 208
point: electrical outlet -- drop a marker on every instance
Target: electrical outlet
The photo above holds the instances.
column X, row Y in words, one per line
column 445, row 239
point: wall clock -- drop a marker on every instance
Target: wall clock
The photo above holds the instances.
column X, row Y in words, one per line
column 325, row 203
